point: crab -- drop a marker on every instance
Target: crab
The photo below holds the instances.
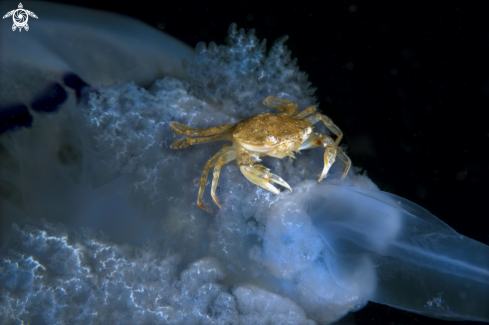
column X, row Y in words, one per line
column 268, row 134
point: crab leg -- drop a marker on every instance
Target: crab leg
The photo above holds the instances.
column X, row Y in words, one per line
column 316, row 139
column 344, row 158
column 261, row 176
column 328, row 123
column 203, row 178
column 329, row 158
column 185, row 142
column 180, row 129
column 321, row 140
column 283, row 105
column 225, row 157
column 307, row 111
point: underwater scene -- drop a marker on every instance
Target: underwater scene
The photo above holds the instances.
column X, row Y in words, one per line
column 244, row 163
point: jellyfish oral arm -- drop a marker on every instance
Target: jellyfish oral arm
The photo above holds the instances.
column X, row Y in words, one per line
column 418, row 263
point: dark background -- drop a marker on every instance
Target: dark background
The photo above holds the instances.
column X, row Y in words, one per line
column 406, row 81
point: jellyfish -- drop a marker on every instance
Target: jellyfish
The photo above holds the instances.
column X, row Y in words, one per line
column 86, row 148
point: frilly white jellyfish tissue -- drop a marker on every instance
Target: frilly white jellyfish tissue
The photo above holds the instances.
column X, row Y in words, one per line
column 100, row 159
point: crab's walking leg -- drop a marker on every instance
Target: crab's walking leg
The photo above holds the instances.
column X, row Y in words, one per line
column 283, row 105
column 329, row 124
column 185, row 142
column 307, row 111
column 180, row 129
column 203, row 178
column 344, row 158
column 225, row 157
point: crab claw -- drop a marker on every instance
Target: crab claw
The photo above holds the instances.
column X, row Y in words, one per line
column 261, row 176
column 329, row 158
column 274, row 178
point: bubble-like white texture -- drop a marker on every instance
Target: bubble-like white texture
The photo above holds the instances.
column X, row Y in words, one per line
column 262, row 307
column 291, row 243
column 242, row 73
column 87, row 280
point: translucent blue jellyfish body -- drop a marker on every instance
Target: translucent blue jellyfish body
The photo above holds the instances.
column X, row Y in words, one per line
column 69, row 51
column 48, row 164
column 259, row 260
column 400, row 254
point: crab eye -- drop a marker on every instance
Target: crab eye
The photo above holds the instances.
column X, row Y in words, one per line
column 271, row 139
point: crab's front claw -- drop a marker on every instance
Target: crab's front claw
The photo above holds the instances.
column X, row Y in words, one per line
column 261, row 176
column 329, row 158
